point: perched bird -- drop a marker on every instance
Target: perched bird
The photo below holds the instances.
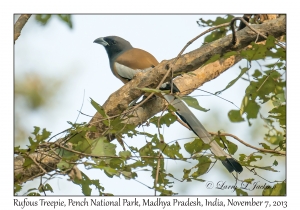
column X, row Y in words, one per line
column 125, row 61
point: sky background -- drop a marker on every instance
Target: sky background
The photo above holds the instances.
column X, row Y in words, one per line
column 58, row 52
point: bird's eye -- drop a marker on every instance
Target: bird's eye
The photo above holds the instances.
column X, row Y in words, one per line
column 113, row 42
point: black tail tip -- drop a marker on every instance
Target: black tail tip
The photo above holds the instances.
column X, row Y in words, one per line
column 232, row 165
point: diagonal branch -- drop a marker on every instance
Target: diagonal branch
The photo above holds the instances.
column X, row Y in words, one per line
column 22, row 20
column 249, row 145
column 186, row 63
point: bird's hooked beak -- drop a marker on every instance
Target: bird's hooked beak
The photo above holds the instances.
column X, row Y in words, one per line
column 101, row 41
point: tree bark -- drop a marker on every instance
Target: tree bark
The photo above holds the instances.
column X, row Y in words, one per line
column 22, row 20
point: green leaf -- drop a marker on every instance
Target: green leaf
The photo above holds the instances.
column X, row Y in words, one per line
column 280, row 98
column 67, row 155
column 270, row 42
column 43, row 19
column 151, row 90
column 45, row 135
column 125, row 154
column 138, row 164
column 278, row 189
column 252, row 158
column 36, row 130
column 243, row 71
column 63, row 165
column 66, row 19
column 242, row 157
column 202, row 166
column 166, row 119
column 84, row 146
column 186, row 173
column 278, row 53
column 192, row 102
column 171, row 108
column 275, row 163
column 257, row 73
column 17, row 188
column 250, row 107
column 85, row 184
column 218, row 21
column 218, row 33
column 33, row 194
column 127, row 174
column 102, row 147
column 200, row 180
column 28, row 162
column 46, row 187
column 77, row 137
column 231, row 147
column 196, row 146
column 116, row 163
column 279, row 113
column 31, row 189
column 18, row 150
column 265, row 146
column 240, row 192
column 171, row 151
column 265, row 86
column 110, row 172
column 229, row 54
column 146, row 134
column 212, row 59
column 235, row 116
column 249, row 180
column 258, row 51
column 98, row 107
column 39, row 138
column 163, row 191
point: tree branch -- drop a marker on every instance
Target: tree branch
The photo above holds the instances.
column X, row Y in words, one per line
column 22, row 20
column 248, row 145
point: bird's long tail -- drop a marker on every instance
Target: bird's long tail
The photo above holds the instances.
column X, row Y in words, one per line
column 190, row 119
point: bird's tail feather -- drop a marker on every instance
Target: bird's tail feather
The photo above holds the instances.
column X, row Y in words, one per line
column 190, row 119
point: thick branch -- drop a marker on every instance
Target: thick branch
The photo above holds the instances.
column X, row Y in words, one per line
column 22, row 20
column 186, row 63
column 192, row 61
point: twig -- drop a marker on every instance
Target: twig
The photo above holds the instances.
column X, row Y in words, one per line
column 44, row 171
column 180, row 121
column 247, row 24
column 80, row 107
column 197, row 37
column 247, row 18
column 113, row 156
column 157, row 172
column 248, row 145
column 267, row 77
column 22, row 20
column 38, row 165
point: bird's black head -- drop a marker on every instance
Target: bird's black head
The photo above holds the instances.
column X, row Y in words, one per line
column 114, row 45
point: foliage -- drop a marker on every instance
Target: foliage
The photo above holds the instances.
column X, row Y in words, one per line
column 266, row 85
column 219, row 33
column 44, row 19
